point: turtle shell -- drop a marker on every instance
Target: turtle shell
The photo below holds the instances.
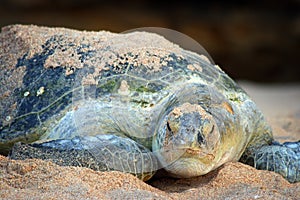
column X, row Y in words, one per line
column 62, row 68
column 97, row 78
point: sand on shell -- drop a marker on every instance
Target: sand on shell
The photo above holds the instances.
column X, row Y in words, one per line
column 38, row 179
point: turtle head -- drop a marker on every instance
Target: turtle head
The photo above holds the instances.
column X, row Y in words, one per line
column 187, row 141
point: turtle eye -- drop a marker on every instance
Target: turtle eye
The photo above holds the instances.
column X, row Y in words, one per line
column 200, row 138
column 168, row 127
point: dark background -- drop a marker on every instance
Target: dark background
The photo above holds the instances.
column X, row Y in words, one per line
column 258, row 41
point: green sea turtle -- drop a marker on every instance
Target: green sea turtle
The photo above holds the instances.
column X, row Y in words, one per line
column 130, row 102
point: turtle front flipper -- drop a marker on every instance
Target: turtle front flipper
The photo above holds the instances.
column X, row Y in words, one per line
column 100, row 152
column 283, row 159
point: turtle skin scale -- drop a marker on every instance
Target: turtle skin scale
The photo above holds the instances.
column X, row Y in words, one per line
column 129, row 102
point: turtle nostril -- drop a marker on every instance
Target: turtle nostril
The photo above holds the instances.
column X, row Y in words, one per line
column 200, row 138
